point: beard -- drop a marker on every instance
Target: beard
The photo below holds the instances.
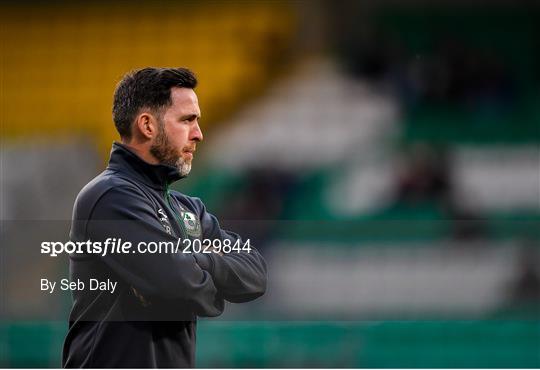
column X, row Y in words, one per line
column 166, row 154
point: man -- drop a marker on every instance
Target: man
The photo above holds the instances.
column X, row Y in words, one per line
column 149, row 319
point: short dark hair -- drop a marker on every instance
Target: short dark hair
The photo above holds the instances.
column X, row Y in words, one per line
column 146, row 88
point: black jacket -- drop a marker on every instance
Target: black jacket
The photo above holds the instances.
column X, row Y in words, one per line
column 149, row 320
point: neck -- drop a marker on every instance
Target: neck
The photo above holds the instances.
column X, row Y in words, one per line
column 142, row 150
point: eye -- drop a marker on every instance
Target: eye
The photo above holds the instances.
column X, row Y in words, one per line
column 189, row 119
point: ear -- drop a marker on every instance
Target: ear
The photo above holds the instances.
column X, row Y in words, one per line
column 146, row 125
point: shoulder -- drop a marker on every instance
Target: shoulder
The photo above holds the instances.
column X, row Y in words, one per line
column 106, row 183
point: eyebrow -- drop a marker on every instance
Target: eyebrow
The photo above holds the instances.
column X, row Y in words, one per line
column 189, row 117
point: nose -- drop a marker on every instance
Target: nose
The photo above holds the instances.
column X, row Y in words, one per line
column 196, row 133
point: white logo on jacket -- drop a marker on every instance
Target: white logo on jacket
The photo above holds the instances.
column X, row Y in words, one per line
column 164, row 221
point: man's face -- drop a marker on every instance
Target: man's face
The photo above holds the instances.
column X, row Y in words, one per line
column 179, row 131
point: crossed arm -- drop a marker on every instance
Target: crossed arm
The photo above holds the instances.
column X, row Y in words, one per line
column 205, row 280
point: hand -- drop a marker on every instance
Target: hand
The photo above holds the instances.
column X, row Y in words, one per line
column 217, row 251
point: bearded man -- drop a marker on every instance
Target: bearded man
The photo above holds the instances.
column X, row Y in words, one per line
column 149, row 320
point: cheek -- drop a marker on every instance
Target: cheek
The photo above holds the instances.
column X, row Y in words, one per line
column 178, row 137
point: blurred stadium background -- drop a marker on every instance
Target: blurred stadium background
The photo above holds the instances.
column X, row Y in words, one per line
column 383, row 156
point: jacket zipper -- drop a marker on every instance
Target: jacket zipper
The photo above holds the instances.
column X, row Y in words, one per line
column 176, row 215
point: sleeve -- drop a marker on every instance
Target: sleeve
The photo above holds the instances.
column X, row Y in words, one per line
column 125, row 213
column 239, row 277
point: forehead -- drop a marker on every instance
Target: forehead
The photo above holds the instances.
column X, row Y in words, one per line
column 184, row 101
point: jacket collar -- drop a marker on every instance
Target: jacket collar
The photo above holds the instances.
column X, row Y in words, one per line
column 158, row 176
